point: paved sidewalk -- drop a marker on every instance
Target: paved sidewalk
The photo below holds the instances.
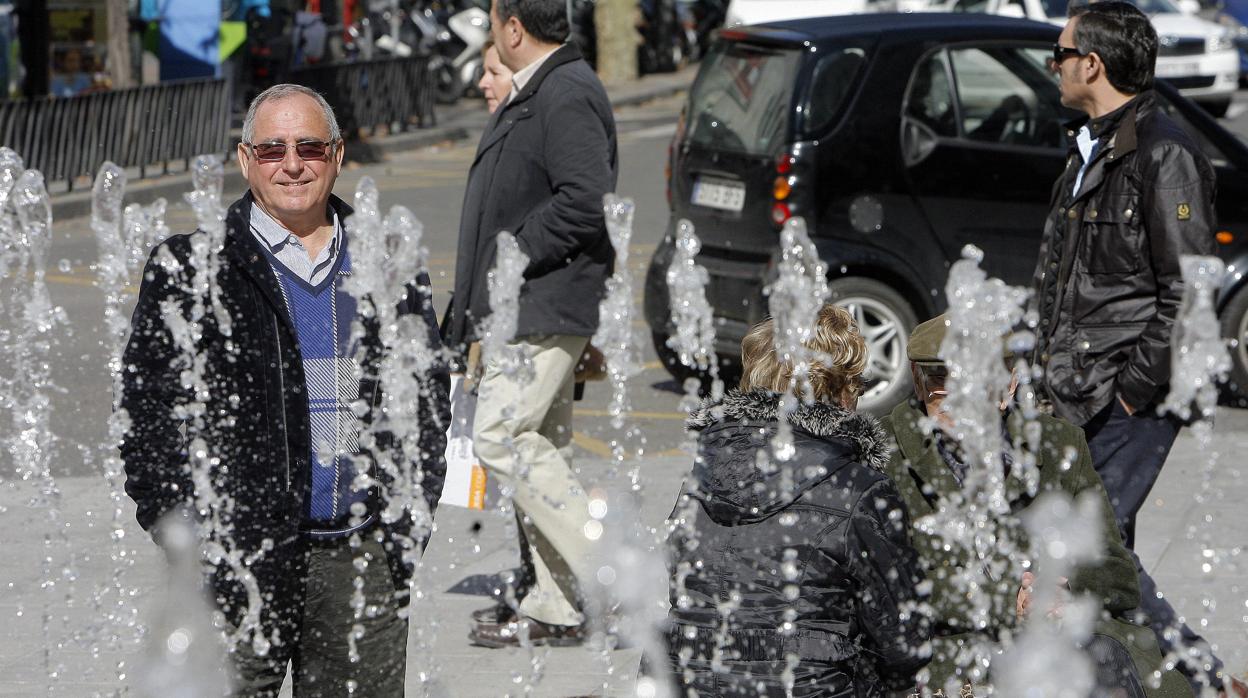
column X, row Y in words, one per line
column 1182, row 529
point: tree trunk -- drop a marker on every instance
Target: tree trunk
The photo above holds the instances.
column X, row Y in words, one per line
column 118, row 58
column 615, row 22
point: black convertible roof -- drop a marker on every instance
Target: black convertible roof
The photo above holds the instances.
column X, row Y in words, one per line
column 897, row 26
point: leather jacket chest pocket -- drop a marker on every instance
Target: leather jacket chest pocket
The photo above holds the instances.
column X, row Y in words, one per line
column 1112, row 239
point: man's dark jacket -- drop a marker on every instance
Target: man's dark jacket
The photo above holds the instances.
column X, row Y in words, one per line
column 542, row 167
column 1108, row 281
column 256, row 416
column 817, row 545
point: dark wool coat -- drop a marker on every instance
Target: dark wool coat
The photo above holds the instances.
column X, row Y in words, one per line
column 544, row 163
column 808, row 558
column 1108, row 283
column 257, row 420
column 926, row 482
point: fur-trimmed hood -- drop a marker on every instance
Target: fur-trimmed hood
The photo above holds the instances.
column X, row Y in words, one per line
column 819, row 419
column 728, row 478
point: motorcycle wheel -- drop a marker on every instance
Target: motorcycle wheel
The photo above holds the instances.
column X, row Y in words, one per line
column 447, row 86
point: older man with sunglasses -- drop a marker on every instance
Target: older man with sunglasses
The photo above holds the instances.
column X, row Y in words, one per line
column 282, row 423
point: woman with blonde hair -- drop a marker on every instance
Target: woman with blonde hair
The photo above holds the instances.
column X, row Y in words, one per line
column 793, row 576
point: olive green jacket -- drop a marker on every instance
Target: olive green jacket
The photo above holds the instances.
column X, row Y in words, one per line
column 1063, row 464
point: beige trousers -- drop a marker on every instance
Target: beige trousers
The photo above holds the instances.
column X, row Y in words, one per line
column 523, row 436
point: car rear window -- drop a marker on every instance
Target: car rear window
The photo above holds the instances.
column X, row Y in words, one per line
column 740, row 101
column 830, row 86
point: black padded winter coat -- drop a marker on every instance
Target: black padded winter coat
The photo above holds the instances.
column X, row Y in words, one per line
column 794, row 571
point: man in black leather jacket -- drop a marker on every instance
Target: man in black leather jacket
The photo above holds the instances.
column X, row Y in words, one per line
column 1137, row 194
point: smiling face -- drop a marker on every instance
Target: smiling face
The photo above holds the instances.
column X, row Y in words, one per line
column 495, row 80
column 294, row 191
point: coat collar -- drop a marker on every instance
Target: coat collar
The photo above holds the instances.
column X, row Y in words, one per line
column 819, row 419
column 243, row 247
column 917, row 446
column 506, row 116
column 566, row 53
column 1120, row 123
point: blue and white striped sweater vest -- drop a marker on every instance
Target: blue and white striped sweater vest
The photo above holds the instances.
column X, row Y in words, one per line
column 322, row 317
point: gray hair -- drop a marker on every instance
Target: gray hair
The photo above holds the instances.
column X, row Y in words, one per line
column 283, row 91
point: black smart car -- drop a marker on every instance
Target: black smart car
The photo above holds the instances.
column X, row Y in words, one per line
column 900, row 139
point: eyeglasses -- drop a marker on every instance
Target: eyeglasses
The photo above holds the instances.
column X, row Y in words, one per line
column 1061, row 53
column 934, row 381
column 306, row 150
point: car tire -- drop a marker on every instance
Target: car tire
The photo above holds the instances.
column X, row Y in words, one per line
column 1217, row 107
column 1234, row 321
column 885, row 320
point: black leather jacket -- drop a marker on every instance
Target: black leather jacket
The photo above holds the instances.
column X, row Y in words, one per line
column 808, row 559
column 1108, row 285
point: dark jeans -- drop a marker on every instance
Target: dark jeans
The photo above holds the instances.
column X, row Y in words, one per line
column 1128, row 452
column 322, row 663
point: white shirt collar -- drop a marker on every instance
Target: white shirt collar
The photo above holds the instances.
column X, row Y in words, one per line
column 521, row 77
column 274, row 234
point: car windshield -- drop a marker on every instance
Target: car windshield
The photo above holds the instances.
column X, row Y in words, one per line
column 741, row 99
column 1057, row 8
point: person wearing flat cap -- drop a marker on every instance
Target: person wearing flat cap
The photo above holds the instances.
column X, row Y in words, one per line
column 929, row 469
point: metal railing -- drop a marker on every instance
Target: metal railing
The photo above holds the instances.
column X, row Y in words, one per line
column 70, row 137
column 396, row 93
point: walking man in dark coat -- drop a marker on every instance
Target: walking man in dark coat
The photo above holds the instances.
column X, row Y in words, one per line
column 1136, row 195
column 280, row 423
column 545, row 161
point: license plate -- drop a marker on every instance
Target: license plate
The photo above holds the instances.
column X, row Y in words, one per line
column 1177, row 70
column 723, row 194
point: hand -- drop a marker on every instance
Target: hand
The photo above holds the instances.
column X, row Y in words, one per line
column 473, row 368
column 1022, row 602
column 1130, row 410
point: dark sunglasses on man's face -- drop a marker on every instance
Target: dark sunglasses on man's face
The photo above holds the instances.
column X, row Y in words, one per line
column 306, row 150
column 1061, row 53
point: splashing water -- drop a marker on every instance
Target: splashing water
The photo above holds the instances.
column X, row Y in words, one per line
column 31, row 443
column 694, row 340
column 184, row 657
column 386, row 259
column 615, row 335
column 975, row 522
column 499, row 329
column 1199, row 362
column 794, row 300
column 1046, row 660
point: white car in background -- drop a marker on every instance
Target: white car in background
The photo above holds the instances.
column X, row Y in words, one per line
column 1196, row 55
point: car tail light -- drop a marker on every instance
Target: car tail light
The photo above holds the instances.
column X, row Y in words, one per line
column 1225, row 237
column 784, row 164
column 780, row 213
column 781, row 188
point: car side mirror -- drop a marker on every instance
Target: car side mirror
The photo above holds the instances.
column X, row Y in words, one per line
column 1189, row 7
column 918, row 140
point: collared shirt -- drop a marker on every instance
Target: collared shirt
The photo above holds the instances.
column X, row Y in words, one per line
column 289, row 249
column 521, row 77
column 1087, row 150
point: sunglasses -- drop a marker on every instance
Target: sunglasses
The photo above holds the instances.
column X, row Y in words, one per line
column 1061, row 53
column 934, row 378
column 306, row 150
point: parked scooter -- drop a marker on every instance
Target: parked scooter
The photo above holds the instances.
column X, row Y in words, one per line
column 454, row 37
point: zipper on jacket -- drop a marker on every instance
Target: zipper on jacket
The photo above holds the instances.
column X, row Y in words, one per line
column 281, row 387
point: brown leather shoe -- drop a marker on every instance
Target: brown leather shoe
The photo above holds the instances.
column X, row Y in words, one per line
column 498, row 635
